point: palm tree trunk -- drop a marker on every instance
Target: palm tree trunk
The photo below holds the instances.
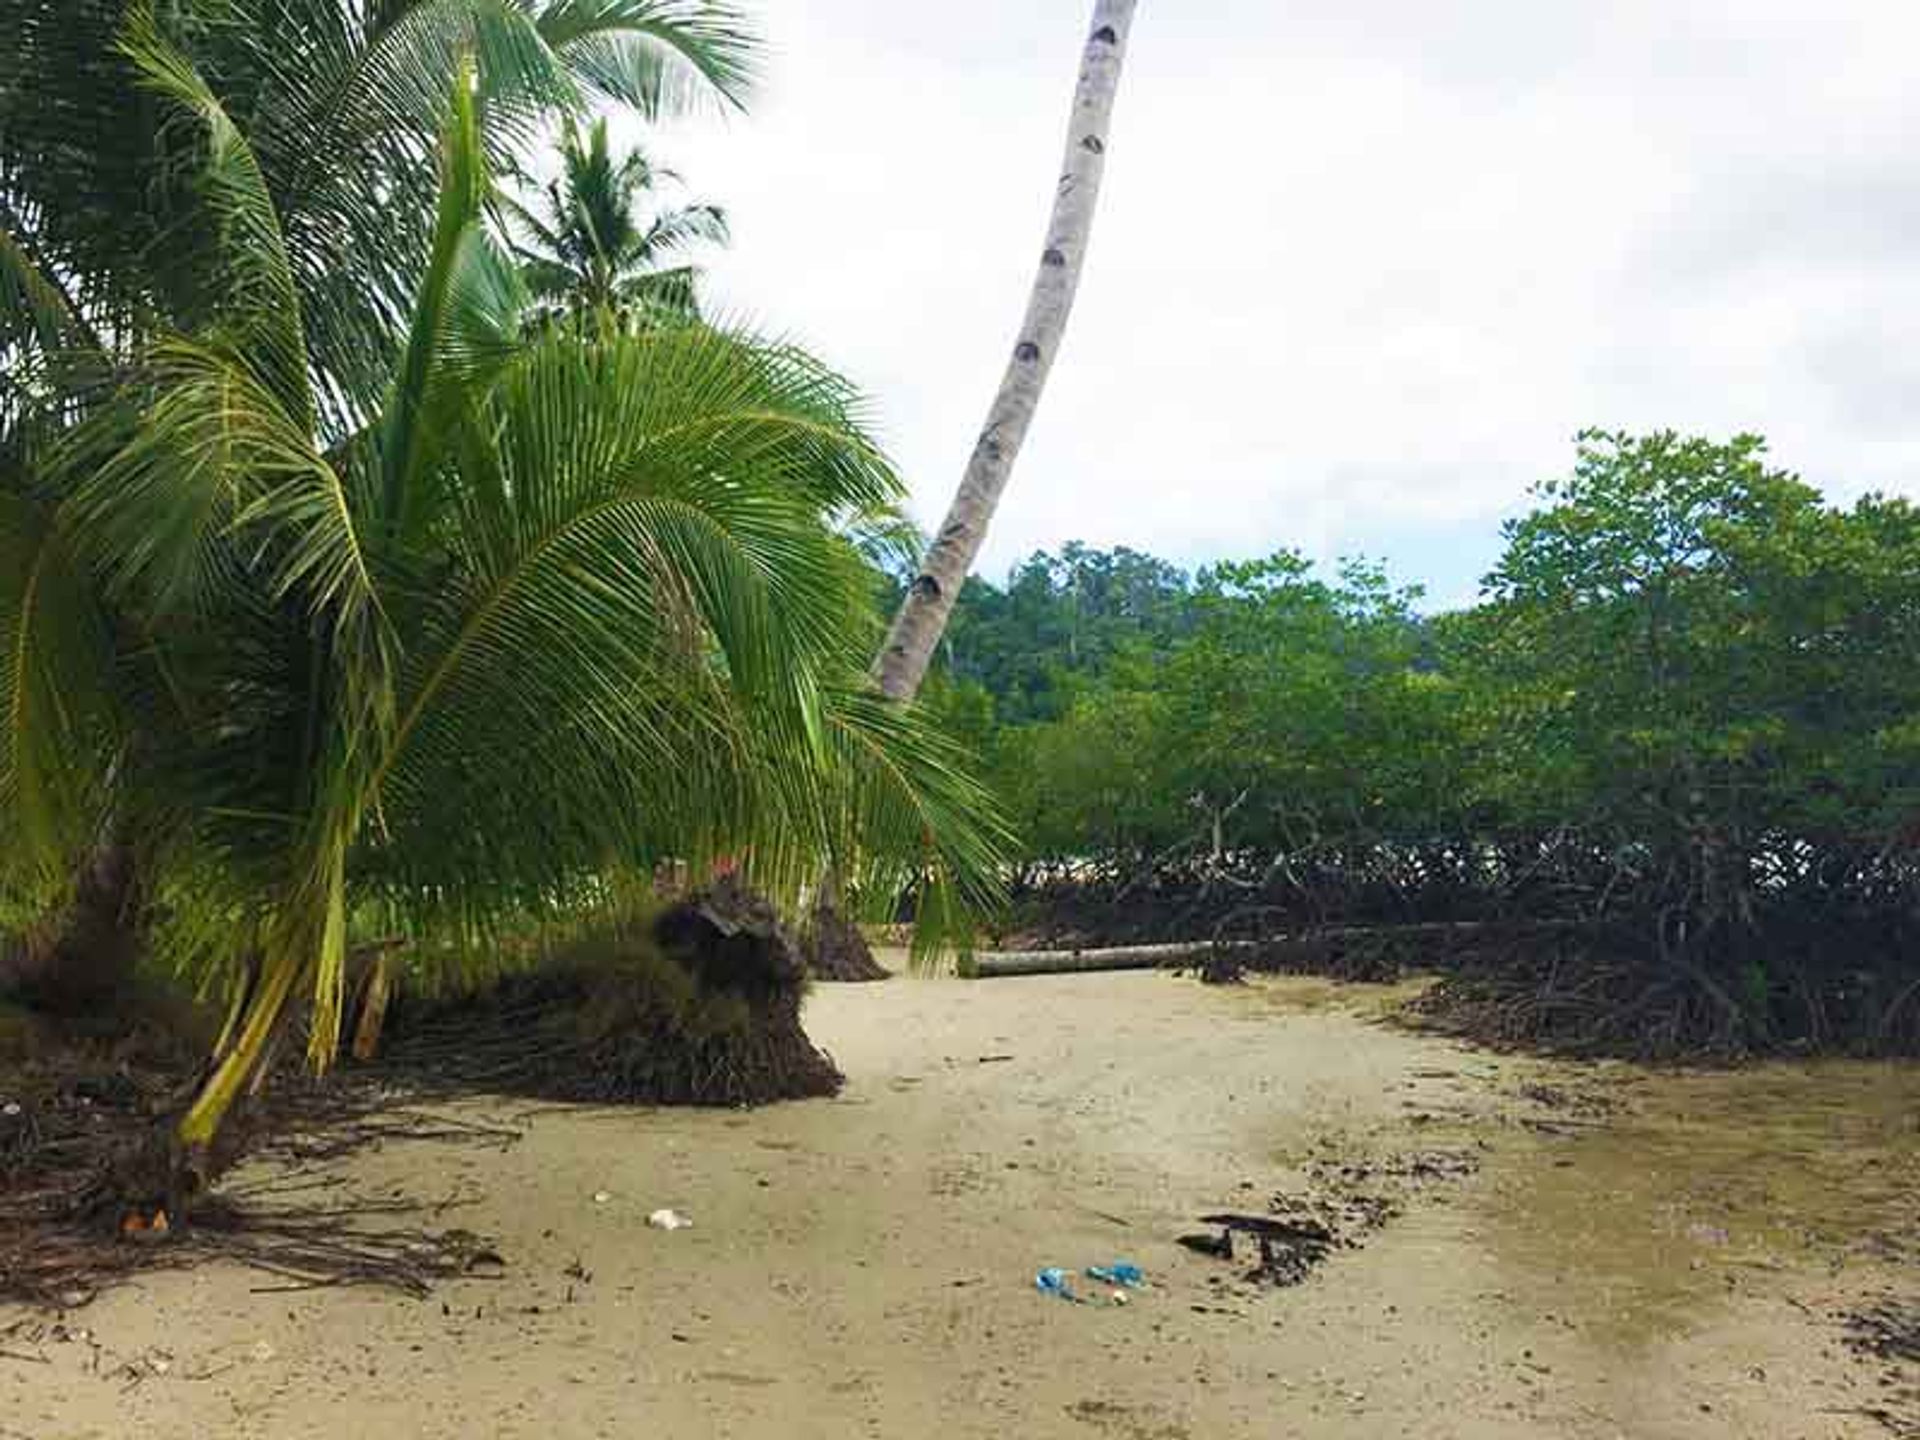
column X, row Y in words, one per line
column 79, row 961
column 922, row 617
column 376, row 994
column 304, row 943
column 230, row 1078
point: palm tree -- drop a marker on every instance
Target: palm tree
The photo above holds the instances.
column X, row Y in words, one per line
column 564, row 605
column 603, row 248
column 342, row 103
column 103, row 236
column 923, row 614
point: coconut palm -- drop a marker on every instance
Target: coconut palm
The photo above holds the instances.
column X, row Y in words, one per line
column 342, row 103
column 929, row 600
column 604, row 247
column 563, row 606
column 104, row 234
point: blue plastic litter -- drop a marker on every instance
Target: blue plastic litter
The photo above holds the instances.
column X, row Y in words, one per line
column 1120, row 1272
column 1053, row 1281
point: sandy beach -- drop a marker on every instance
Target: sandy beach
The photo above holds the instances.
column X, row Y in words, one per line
column 864, row 1266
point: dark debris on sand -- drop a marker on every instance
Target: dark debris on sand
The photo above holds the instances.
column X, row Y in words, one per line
column 1886, row 1332
column 1344, row 1203
column 77, row 1128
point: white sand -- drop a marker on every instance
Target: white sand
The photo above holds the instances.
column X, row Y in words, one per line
column 864, row 1266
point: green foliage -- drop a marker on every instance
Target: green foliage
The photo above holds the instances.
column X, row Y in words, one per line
column 1059, row 617
column 600, row 249
column 1688, row 641
column 105, row 180
column 1689, row 693
column 530, row 615
column 1295, row 703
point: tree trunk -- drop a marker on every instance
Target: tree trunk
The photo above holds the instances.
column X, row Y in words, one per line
column 231, row 1077
column 375, row 995
column 922, row 618
column 81, row 960
column 832, row 945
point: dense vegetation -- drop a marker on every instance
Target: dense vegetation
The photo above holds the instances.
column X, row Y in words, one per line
column 384, row 559
column 388, row 551
column 1672, row 756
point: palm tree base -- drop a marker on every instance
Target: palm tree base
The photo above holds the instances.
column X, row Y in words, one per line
column 79, row 962
column 835, row 949
column 703, row 1009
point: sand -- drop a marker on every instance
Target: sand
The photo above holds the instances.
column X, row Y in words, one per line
column 863, row 1266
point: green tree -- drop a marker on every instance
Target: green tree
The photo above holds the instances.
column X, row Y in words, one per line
column 1679, row 726
column 106, row 230
column 1060, row 617
column 564, row 606
column 605, row 249
column 1696, row 652
column 342, row 103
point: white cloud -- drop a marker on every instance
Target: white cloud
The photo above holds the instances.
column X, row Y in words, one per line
column 1361, row 271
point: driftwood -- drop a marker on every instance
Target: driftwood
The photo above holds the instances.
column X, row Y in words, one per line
column 990, row 964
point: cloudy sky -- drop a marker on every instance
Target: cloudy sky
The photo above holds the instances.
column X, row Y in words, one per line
column 1360, row 271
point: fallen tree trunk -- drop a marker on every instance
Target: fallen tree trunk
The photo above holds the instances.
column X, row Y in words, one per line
column 989, row 964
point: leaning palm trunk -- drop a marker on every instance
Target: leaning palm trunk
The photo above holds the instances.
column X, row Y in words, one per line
column 922, row 618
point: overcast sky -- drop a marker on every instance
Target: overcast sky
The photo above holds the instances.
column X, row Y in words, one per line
column 1361, row 270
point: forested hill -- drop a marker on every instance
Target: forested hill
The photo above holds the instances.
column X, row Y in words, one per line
column 1688, row 701
column 1059, row 617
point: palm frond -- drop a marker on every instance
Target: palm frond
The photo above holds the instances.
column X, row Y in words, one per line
column 56, row 697
column 515, row 216
column 682, row 229
column 350, row 122
column 35, row 310
column 463, row 197
column 626, row 648
column 157, row 487
column 888, row 537
column 662, row 297
column 77, row 141
column 341, row 107
column 486, row 298
column 908, row 820
column 251, row 285
column 659, row 56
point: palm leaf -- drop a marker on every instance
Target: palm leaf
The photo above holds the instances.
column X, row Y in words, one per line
column 658, row 56
column 158, row 487
column 908, row 818
column 56, row 705
column 35, row 310
column 623, row 655
column 681, row 229
column 248, row 277
column 663, row 297
column 463, row 197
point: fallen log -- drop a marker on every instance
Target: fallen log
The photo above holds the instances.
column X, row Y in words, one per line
column 990, row 964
